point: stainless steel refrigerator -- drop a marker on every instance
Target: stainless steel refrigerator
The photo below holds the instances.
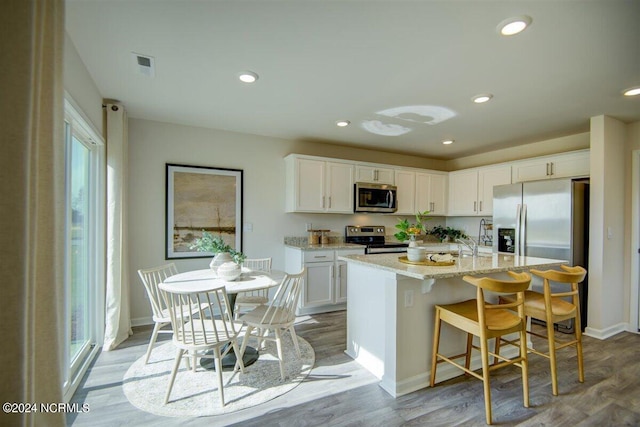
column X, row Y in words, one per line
column 546, row 219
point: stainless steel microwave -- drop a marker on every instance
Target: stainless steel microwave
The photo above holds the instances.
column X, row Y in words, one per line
column 371, row 197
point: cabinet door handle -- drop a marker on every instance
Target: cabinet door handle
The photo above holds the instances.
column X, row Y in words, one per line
column 480, row 205
column 329, row 202
column 474, row 206
column 432, row 206
column 319, row 256
column 375, row 175
column 551, row 168
column 547, row 169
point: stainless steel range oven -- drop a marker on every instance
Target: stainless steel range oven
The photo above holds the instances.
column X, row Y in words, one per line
column 373, row 238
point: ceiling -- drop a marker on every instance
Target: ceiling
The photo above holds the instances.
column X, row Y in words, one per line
column 320, row 61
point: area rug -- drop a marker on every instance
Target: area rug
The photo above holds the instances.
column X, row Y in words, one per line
column 196, row 394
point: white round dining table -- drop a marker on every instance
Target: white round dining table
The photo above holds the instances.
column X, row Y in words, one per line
column 202, row 280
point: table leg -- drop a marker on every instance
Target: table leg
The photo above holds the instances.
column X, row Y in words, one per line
column 249, row 357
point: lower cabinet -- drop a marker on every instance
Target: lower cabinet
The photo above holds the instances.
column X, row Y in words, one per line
column 325, row 281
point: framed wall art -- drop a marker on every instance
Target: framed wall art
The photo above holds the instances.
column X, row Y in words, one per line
column 198, row 199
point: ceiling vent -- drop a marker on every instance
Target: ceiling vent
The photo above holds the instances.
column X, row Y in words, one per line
column 143, row 64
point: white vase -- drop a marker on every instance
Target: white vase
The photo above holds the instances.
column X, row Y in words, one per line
column 229, row 271
column 219, row 259
column 416, row 253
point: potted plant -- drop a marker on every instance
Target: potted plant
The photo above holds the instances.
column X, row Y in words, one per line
column 409, row 231
column 446, row 233
column 224, row 253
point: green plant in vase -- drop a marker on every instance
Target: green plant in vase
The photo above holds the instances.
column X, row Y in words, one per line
column 210, row 243
column 409, row 230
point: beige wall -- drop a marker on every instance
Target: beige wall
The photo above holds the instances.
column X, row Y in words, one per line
column 81, row 87
column 606, row 231
column 552, row 146
column 632, row 225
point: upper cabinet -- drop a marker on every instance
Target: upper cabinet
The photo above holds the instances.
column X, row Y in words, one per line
column 379, row 175
column 431, row 193
column 314, row 185
column 575, row 164
column 421, row 191
column 471, row 191
column 406, row 192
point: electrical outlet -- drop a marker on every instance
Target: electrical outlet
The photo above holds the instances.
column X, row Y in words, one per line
column 309, row 226
column 408, row 298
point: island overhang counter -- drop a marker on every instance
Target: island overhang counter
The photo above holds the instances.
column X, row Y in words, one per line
column 390, row 312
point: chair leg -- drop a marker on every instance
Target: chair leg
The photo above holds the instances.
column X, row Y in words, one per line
column 552, row 356
column 218, row 363
column 294, row 337
column 434, row 351
column 578, row 334
column 176, row 363
column 152, row 341
column 496, row 350
column 525, row 366
column 247, row 335
column 467, row 358
column 484, row 351
column 280, row 355
column 239, row 354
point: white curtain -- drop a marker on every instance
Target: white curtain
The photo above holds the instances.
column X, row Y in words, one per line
column 118, row 316
column 32, row 207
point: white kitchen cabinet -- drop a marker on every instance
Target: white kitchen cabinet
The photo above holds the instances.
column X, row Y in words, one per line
column 574, row 164
column 471, row 191
column 378, row 175
column 421, row 191
column 406, row 192
column 325, row 281
column 431, row 193
column 314, row 185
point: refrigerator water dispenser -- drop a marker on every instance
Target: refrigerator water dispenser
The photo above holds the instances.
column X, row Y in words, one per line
column 507, row 240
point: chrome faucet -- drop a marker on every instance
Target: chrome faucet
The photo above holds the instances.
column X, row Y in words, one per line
column 473, row 247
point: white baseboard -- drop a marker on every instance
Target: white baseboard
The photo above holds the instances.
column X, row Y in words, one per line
column 603, row 334
column 142, row 321
column 446, row 371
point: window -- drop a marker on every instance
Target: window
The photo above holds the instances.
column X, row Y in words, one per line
column 84, row 273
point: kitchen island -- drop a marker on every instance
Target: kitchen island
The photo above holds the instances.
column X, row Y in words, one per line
column 390, row 312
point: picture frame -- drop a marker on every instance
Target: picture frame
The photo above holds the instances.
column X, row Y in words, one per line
column 201, row 198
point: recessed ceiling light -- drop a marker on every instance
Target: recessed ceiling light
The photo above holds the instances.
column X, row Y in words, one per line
column 482, row 98
column 248, row 77
column 515, row 25
column 632, row 91
column 343, row 123
column 448, row 142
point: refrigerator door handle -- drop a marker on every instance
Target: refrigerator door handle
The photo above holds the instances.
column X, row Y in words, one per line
column 517, row 236
column 523, row 231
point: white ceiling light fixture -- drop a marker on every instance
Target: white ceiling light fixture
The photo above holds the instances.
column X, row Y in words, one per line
column 514, row 25
column 343, row 123
column 447, row 141
column 248, row 77
column 632, row 91
column 482, row 98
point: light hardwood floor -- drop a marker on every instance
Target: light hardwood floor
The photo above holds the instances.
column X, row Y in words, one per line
column 338, row 392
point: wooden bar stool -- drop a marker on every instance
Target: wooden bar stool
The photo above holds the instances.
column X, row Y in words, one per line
column 552, row 308
column 485, row 320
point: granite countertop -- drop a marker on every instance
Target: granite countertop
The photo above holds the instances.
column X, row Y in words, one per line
column 482, row 264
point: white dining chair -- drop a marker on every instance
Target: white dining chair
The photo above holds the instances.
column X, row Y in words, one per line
column 252, row 299
column 201, row 334
column 277, row 316
column 151, row 278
